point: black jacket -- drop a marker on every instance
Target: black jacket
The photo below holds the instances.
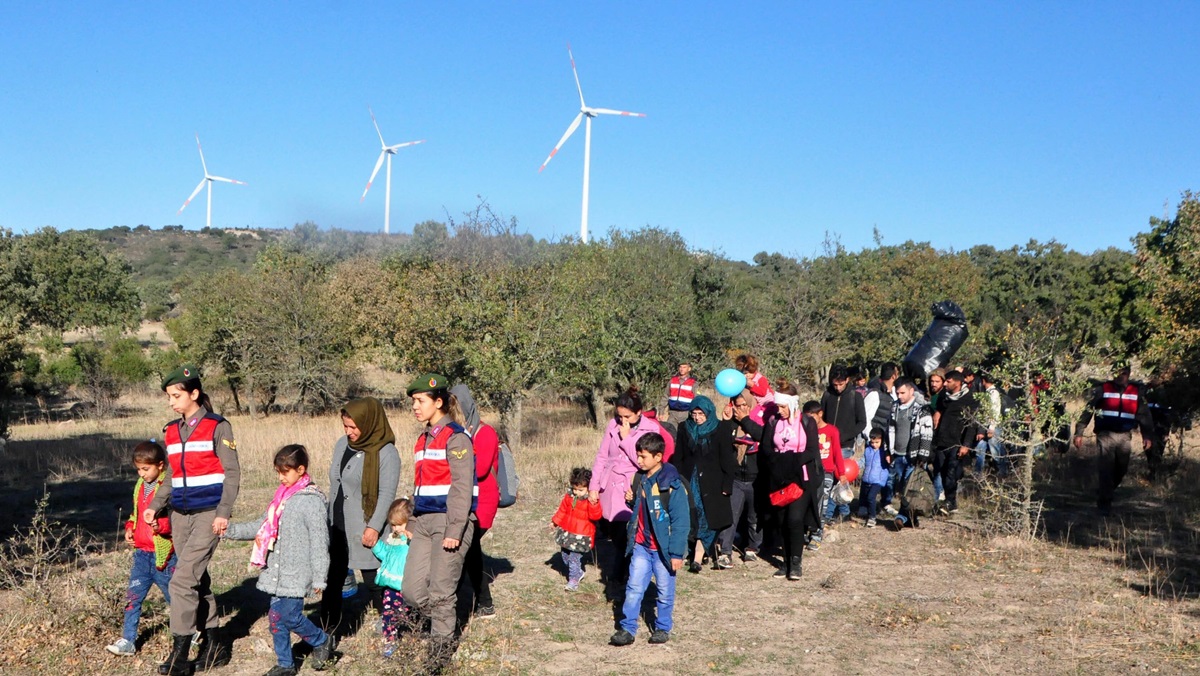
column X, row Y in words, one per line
column 716, row 464
column 956, row 426
column 846, row 412
column 787, row 468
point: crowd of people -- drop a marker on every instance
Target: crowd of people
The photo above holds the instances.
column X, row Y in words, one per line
column 762, row 476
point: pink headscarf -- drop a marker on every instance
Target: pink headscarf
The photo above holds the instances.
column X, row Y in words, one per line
column 268, row 533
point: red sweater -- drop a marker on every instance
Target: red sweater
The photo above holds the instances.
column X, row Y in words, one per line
column 487, row 464
column 578, row 516
column 831, row 451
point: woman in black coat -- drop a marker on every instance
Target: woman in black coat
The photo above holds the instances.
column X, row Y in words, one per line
column 705, row 459
column 791, row 449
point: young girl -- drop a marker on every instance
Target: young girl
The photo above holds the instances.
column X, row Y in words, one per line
column 876, row 461
column 153, row 552
column 392, row 552
column 445, row 497
column 575, row 518
column 291, row 546
column 204, row 485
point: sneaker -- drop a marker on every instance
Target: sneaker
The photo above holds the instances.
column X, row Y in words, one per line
column 694, row 567
column 122, row 647
column 813, row 545
column 780, row 573
column 870, row 523
column 750, row 556
column 953, row 509
column 723, row 562
column 319, row 658
column 489, row 611
column 621, row 638
column 389, row 649
column 572, row 585
column 659, row 636
column 891, row 511
column 941, row 496
column 281, row 671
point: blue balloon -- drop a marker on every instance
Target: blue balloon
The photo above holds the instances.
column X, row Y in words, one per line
column 730, row 382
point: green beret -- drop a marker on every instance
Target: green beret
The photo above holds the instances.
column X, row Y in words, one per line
column 182, row 374
column 428, row 382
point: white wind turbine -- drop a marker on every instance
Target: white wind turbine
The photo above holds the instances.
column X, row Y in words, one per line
column 589, row 113
column 208, row 179
column 387, row 151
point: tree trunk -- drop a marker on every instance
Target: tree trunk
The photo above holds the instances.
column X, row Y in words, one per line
column 251, row 400
column 595, row 402
column 237, row 404
column 510, row 421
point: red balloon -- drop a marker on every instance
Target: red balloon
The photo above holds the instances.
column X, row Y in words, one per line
column 851, row 471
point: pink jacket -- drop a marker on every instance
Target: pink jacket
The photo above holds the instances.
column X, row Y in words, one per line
column 615, row 465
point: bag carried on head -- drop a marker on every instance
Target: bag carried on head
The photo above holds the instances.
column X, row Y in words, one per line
column 506, row 476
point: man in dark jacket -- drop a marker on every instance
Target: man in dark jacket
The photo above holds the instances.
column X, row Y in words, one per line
column 843, row 408
column 1119, row 407
column 955, row 435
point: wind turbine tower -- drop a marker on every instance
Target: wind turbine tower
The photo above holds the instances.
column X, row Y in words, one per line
column 584, row 112
column 207, row 180
column 386, row 151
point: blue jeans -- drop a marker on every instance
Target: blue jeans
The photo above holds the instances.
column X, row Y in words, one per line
column 868, row 499
column 898, row 475
column 287, row 617
column 644, row 564
column 142, row 576
column 994, row 447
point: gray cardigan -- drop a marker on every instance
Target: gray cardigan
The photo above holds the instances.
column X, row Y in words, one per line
column 300, row 560
column 350, row 483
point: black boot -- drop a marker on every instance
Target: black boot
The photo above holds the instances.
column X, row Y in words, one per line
column 214, row 652
column 794, row 570
column 177, row 663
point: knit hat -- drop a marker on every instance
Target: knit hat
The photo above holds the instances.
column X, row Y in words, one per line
column 182, row 374
column 428, row 382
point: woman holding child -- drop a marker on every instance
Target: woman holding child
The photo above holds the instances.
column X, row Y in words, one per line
column 613, row 470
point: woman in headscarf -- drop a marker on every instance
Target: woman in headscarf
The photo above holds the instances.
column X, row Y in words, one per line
column 362, row 485
column 792, row 449
column 706, row 460
column 487, row 464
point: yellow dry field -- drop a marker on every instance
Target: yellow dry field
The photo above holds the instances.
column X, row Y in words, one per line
column 1094, row 595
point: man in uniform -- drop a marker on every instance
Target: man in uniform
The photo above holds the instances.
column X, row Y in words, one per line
column 1119, row 407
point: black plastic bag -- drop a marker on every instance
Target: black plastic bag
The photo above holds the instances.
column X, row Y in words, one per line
column 936, row 348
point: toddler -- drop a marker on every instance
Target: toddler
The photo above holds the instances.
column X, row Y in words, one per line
column 876, row 461
column 392, row 552
column 576, row 520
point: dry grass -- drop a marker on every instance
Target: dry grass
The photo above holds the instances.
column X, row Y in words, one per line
column 1098, row 596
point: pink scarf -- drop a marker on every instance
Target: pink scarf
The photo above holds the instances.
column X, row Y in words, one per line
column 789, row 435
column 268, row 533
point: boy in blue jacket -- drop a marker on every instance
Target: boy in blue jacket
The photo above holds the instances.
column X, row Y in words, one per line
column 658, row 535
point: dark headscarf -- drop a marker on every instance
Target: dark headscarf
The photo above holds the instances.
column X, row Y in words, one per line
column 700, row 433
column 374, row 433
column 466, row 403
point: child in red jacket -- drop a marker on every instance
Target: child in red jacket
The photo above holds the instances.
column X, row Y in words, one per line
column 153, row 551
column 576, row 520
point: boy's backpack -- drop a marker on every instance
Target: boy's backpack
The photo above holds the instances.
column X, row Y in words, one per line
column 506, row 476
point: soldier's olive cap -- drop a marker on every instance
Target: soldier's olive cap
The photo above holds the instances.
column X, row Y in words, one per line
column 182, row 374
column 428, row 382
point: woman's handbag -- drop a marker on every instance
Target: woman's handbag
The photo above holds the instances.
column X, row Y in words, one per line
column 786, row 495
column 573, row 542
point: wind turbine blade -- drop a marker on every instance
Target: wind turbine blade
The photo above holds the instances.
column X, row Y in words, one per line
column 576, row 73
column 202, row 164
column 378, row 164
column 193, row 195
column 404, row 145
column 381, row 143
column 226, row 180
column 609, row 111
column 570, row 130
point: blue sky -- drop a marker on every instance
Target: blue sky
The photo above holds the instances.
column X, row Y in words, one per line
column 768, row 125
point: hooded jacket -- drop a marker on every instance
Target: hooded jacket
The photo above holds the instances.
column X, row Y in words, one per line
column 846, row 412
column 663, row 500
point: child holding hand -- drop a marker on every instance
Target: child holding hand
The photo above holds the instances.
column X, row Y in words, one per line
column 392, row 552
column 153, row 551
column 291, row 546
column 576, row 521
